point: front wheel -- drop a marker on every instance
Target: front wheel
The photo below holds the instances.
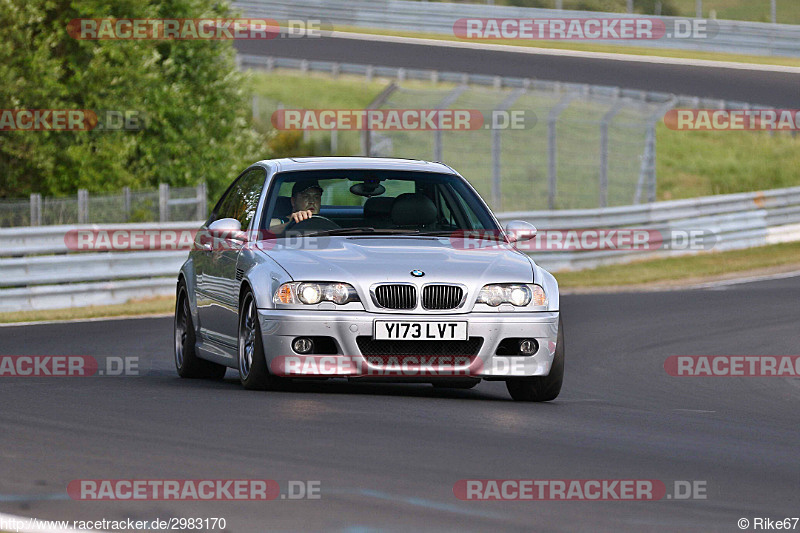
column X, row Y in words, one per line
column 541, row 388
column 187, row 363
column 253, row 371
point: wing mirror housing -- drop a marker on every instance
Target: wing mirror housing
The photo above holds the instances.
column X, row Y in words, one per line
column 519, row 230
column 227, row 228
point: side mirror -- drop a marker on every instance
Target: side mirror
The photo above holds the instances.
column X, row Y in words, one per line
column 519, row 230
column 227, row 228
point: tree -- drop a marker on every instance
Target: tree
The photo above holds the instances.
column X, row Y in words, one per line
column 193, row 100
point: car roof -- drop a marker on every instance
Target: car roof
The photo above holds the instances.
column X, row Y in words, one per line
column 353, row 163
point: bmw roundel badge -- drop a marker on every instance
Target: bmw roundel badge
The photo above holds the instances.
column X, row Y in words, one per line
column 417, row 273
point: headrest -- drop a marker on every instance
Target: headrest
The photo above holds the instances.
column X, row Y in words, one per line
column 378, row 207
column 283, row 207
column 413, row 209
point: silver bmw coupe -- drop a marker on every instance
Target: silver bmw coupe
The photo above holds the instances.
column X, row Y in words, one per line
column 365, row 269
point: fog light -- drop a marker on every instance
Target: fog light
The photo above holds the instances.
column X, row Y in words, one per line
column 302, row 345
column 528, row 346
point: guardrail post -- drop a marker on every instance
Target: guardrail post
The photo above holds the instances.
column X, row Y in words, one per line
column 552, row 149
column 163, row 202
column 36, row 209
column 254, row 107
column 334, row 142
column 630, row 6
column 126, row 200
column 202, row 200
column 83, row 206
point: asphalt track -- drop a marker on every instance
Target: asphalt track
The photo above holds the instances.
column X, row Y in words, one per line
column 388, row 456
column 779, row 89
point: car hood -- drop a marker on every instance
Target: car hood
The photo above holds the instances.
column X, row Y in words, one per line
column 367, row 260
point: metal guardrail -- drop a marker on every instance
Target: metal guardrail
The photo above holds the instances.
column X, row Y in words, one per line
column 35, row 281
column 736, row 37
column 733, row 221
column 39, row 271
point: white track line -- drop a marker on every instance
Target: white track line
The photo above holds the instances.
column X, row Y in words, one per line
column 566, row 53
column 78, row 320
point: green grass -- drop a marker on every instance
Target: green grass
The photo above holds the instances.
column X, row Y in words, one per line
column 788, row 11
column 689, row 163
column 695, row 267
column 701, row 163
column 592, row 47
column 150, row 306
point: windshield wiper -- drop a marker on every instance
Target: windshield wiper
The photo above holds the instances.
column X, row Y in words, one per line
column 360, row 230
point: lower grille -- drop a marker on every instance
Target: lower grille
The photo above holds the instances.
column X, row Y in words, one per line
column 396, row 296
column 372, row 347
column 441, row 296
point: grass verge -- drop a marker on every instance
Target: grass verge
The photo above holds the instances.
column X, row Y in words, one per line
column 150, row 306
column 707, row 266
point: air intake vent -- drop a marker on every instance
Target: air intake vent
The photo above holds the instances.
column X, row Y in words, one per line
column 239, row 274
column 441, row 296
column 396, row 296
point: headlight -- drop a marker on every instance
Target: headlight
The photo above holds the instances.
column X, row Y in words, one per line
column 514, row 294
column 314, row 293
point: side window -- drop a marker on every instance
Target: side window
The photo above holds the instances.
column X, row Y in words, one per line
column 241, row 200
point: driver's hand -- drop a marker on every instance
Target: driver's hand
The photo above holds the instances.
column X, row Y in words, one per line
column 299, row 216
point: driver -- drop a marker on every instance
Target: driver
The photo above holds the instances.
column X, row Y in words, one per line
column 306, row 201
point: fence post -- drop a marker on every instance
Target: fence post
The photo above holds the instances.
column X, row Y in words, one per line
column 202, row 200
column 36, row 209
column 446, row 102
column 497, row 189
column 126, row 199
column 254, row 106
column 552, row 151
column 83, row 206
column 366, row 133
column 604, row 124
column 163, row 202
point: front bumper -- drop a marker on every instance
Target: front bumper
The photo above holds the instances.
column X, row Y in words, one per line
column 280, row 327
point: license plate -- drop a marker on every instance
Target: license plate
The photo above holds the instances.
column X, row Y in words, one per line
column 420, row 331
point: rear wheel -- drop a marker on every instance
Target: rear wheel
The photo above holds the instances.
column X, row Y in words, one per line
column 187, row 363
column 253, row 371
column 541, row 388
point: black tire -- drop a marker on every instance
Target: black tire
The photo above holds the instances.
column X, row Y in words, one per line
column 253, row 371
column 455, row 384
column 187, row 363
column 542, row 388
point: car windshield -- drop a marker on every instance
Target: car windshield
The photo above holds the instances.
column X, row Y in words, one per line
column 383, row 202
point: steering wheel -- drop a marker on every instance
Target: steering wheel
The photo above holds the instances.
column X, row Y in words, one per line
column 315, row 222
